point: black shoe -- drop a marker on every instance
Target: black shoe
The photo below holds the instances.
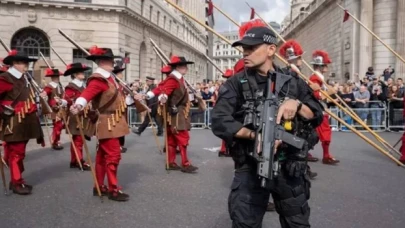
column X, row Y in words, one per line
column 189, row 169
column 103, row 190
column 30, row 187
column 271, row 207
column 223, row 154
column 117, row 195
column 159, row 134
column 21, row 189
column 57, row 147
column 75, row 165
column 123, row 150
column 136, row 131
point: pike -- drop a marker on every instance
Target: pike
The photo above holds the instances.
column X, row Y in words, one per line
column 342, row 102
column 63, row 115
column 302, row 76
column 213, row 64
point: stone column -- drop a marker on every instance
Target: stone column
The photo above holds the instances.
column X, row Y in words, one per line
column 366, row 39
column 400, row 47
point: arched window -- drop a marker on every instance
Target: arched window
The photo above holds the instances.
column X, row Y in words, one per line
column 142, row 60
column 31, row 41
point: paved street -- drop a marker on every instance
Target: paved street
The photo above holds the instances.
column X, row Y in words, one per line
column 365, row 190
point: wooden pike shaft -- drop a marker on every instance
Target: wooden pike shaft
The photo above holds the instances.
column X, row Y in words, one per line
column 73, row 42
column 57, row 54
column 3, row 175
column 166, row 130
column 346, row 107
column 4, row 45
column 299, row 73
column 86, row 148
column 372, row 33
column 212, row 63
column 71, row 140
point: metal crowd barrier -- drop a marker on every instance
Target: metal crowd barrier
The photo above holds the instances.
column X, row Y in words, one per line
column 377, row 115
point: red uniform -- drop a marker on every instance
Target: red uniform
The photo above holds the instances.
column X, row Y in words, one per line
column 181, row 139
column 71, row 94
column 51, row 90
column 19, row 128
column 109, row 151
column 324, row 130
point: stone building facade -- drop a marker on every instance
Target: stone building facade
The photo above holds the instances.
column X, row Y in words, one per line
column 125, row 26
column 225, row 56
column 350, row 46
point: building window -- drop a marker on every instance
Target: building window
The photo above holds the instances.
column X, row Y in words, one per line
column 164, row 22
column 80, row 57
column 170, row 26
column 31, row 41
column 85, row 1
column 150, row 13
column 177, row 32
column 142, row 6
column 158, row 17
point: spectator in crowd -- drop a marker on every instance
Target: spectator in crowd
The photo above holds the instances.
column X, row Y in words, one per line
column 348, row 97
column 206, row 94
column 362, row 97
column 198, row 87
column 389, row 83
column 395, row 102
column 400, row 85
column 388, row 73
column 370, row 74
column 377, row 97
column 211, row 86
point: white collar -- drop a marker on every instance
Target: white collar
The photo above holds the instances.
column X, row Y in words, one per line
column 17, row 74
column 77, row 82
column 53, row 84
column 103, row 72
column 176, row 74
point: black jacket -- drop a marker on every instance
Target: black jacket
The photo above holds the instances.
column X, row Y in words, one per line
column 228, row 114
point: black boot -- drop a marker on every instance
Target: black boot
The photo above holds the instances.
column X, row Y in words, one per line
column 117, row 195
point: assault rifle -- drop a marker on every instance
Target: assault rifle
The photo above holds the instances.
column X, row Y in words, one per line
column 263, row 119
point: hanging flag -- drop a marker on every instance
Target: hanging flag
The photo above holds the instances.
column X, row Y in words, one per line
column 346, row 16
column 210, row 8
column 252, row 13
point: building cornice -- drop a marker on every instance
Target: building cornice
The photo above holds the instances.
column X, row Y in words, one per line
column 315, row 7
column 106, row 8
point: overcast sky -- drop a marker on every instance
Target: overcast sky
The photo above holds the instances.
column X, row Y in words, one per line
column 271, row 10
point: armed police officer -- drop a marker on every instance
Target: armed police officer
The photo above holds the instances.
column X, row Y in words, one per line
column 232, row 121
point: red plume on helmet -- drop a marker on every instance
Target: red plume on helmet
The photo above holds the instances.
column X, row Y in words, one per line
column 12, row 53
column 321, row 58
column 250, row 24
column 94, row 50
column 291, row 50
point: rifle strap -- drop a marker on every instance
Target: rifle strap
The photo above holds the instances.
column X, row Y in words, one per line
column 249, row 88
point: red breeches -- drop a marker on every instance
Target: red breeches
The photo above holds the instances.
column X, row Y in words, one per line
column 107, row 160
column 57, row 130
column 78, row 143
column 181, row 140
column 15, row 154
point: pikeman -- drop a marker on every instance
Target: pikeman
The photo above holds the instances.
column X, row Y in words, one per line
column 72, row 92
column 118, row 72
column 55, row 92
column 320, row 64
column 167, row 70
column 173, row 91
column 19, row 122
column 104, row 92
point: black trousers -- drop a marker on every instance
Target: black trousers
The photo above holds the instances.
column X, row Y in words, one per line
column 122, row 141
column 248, row 201
column 146, row 122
